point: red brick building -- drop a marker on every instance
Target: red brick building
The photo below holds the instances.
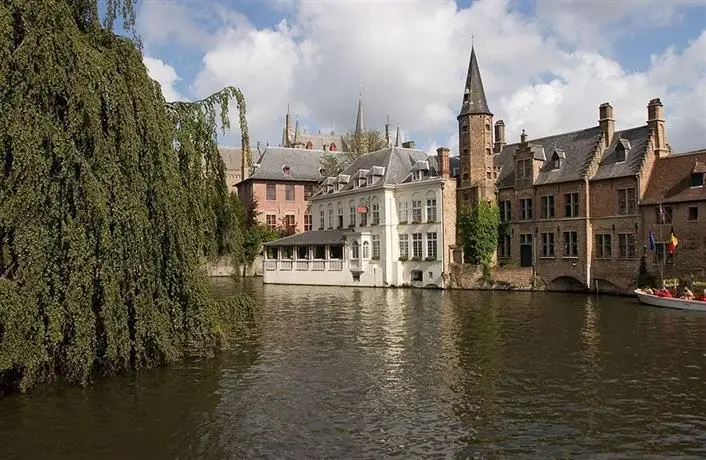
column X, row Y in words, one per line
column 570, row 202
column 678, row 187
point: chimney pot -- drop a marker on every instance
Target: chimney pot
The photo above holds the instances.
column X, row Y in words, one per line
column 523, row 137
column 499, row 136
column 606, row 122
column 442, row 158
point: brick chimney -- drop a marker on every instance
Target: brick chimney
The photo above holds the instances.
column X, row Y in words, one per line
column 408, row 145
column 655, row 121
column 606, row 122
column 499, row 136
column 442, row 158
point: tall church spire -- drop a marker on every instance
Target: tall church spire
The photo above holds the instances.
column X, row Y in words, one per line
column 474, row 102
column 398, row 138
column 359, row 124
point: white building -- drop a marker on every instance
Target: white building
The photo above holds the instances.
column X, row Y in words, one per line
column 389, row 219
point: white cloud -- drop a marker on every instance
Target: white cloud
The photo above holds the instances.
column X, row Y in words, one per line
column 165, row 75
column 540, row 73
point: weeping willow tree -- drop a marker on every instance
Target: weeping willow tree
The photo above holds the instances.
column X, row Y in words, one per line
column 110, row 201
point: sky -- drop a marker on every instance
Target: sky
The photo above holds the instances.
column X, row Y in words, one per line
column 546, row 65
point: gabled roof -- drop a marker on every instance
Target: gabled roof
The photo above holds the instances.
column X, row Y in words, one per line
column 312, row 237
column 396, row 161
column 634, row 141
column 233, row 156
column 476, row 102
column 303, row 164
column 670, row 181
column 578, row 148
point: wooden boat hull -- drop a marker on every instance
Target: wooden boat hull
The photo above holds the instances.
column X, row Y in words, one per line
column 670, row 302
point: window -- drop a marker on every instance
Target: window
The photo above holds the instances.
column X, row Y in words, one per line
column 603, row 246
column 526, row 208
column 417, row 275
column 361, row 181
column 322, row 220
column 351, row 217
column 330, row 217
column 556, row 162
column 417, row 246
column 335, row 251
column 271, row 191
column 524, row 170
column 697, row 179
column 376, row 214
column 366, row 250
column 547, row 207
column 571, row 204
column 307, row 222
column 290, row 223
column 404, row 247
column 271, row 220
column 626, row 243
column 289, row 192
column 319, row 252
column 505, row 211
column 308, row 191
column 302, row 252
column 340, row 217
column 403, row 213
column 505, row 247
column 355, row 250
column 376, row 247
column 619, row 153
column 627, row 201
column 664, row 214
column 547, row 244
column 571, row 244
column 364, row 218
column 431, row 210
column 417, row 211
column 431, row 246
column 693, row 213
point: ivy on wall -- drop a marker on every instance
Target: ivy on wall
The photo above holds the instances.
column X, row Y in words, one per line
column 478, row 226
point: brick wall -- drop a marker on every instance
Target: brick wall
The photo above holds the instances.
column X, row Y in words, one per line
column 449, row 213
column 466, row 276
column 280, row 206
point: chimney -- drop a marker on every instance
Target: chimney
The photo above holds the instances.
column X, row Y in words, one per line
column 408, row 145
column 442, row 158
column 523, row 137
column 499, row 136
column 606, row 122
column 655, row 121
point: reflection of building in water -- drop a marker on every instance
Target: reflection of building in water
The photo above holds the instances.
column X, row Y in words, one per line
column 394, row 334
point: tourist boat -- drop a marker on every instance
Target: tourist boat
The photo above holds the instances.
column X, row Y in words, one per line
column 670, row 302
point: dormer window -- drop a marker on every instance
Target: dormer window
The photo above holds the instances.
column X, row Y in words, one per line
column 329, row 188
column 557, row 158
column 466, row 95
column 418, row 175
column 621, row 150
column 361, row 181
column 697, row 179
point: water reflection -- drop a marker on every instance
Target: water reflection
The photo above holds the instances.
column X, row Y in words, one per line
column 371, row 373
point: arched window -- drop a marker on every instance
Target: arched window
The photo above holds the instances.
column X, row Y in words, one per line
column 340, row 215
column 366, row 250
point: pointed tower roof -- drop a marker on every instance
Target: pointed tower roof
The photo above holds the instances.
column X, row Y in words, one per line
column 474, row 102
column 359, row 124
column 296, row 131
column 398, row 138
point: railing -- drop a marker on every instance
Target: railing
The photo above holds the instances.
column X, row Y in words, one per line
column 318, row 265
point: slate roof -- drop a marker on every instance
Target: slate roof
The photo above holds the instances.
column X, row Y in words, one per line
column 233, row 156
column 318, row 140
column 670, row 181
column 396, row 161
column 312, row 237
column 635, row 141
column 303, row 164
column 577, row 148
column 476, row 103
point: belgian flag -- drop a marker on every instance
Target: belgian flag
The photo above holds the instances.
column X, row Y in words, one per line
column 673, row 242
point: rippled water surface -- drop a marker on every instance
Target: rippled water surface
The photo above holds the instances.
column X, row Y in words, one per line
column 373, row 373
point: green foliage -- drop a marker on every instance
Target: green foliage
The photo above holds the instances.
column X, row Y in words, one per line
column 332, row 164
column 110, row 199
column 355, row 145
column 479, row 231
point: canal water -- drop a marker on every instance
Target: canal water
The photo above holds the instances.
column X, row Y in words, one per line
column 376, row 373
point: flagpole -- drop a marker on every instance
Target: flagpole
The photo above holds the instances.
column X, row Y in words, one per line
column 662, row 256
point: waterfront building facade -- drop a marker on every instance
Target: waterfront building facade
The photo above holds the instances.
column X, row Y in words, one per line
column 387, row 220
column 280, row 183
column 569, row 202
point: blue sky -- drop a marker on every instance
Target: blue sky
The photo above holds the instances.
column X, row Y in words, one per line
column 546, row 65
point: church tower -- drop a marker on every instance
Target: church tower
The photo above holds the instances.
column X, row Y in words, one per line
column 475, row 136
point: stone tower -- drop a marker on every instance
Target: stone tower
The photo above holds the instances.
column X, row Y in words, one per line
column 475, row 122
